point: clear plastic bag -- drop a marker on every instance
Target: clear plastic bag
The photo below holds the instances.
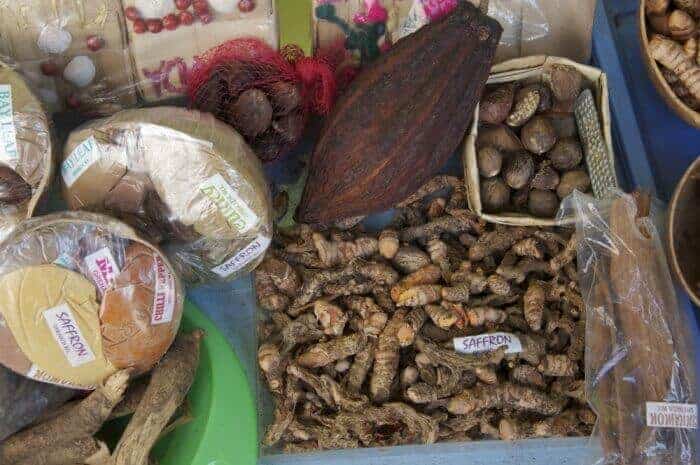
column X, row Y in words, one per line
column 82, row 296
column 26, row 162
column 640, row 358
column 183, row 179
column 103, row 56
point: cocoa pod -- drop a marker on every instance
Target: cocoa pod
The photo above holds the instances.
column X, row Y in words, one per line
column 13, row 189
column 401, row 118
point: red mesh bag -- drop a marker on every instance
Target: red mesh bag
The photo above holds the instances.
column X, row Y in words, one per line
column 267, row 95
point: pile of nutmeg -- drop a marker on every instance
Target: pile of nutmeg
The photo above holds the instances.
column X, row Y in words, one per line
column 528, row 151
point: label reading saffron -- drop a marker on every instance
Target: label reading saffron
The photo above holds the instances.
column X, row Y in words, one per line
column 8, row 132
column 164, row 296
column 242, row 258
column 229, row 203
column 487, row 343
column 83, row 157
column 68, row 336
column 103, row 269
column 670, row 415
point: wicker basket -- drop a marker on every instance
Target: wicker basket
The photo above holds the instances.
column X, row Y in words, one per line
column 531, row 69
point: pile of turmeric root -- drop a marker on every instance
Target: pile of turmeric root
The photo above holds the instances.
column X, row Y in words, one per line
column 357, row 342
column 68, row 436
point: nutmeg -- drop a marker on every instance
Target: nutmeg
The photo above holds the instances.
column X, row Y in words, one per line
column 573, row 180
column 564, row 124
column 546, row 177
column 681, row 25
column 543, row 203
column 566, row 154
column 284, row 97
column 495, row 195
column 519, row 199
column 565, row 81
column 538, row 135
column 518, row 170
column 251, row 113
column 496, row 104
column 489, row 160
column 500, row 137
column 527, row 100
column 13, row 189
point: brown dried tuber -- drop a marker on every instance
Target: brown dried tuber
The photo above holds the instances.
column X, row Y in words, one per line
column 489, row 160
column 538, row 135
column 518, row 170
column 495, row 106
column 565, row 81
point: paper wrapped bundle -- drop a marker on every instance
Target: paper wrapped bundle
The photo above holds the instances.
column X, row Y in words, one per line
column 183, row 179
column 82, row 296
column 26, row 163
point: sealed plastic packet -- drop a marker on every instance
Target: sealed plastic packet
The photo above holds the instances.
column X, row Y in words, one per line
column 26, row 162
column 183, row 179
column 81, row 297
column 640, row 359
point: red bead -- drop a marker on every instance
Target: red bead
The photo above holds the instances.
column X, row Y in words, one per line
column 73, row 101
column 140, row 26
column 206, row 18
column 171, row 22
column 183, row 4
column 154, row 25
column 49, row 68
column 95, row 43
column 186, row 18
column 246, row 6
column 132, row 13
column 200, row 7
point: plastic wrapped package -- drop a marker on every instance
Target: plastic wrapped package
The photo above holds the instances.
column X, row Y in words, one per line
column 82, row 296
column 364, row 28
column 26, row 162
column 103, row 56
column 183, row 179
column 640, row 359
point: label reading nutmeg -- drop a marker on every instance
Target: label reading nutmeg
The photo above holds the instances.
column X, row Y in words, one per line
column 81, row 158
column 8, row 133
column 237, row 213
column 103, row 268
column 242, row 258
column 164, row 295
column 65, row 330
column 671, row 415
column 488, row 343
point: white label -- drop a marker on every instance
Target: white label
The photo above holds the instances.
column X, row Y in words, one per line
column 8, row 133
column 40, row 375
column 487, row 343
column 103, row 269
column 66, row 332
column 670, row 415
column 242, row 258
column 83, row 157
column 164, row 298
column 66, row 261
column 229, row 203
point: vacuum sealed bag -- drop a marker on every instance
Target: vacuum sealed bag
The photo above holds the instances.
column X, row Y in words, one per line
column 640, row 358
column 81, row 297
column 183, row 179
column 26, row 166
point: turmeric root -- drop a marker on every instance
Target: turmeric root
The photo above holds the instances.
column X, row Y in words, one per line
column 409, row 259
column 334, row 253
column 442, row 317
column 170, row 382
column 325, row 353
column 669, row 54
column 413, row 322
column 429, row 274
column 386, row 359
column 486, row 375
column 331, row 317
column 388, row 243
column 360, row 367
column 527, row 375
column 81, row 421
column 434, row 185
column 327, row 389
column 300, row 331
column 458, row 362
column 533, row 305
column 506, row 395
column 498, row 241
column 566, row 256
column 558, row 365
column 87, row 450
column 270, row 362
column 420, row 295
column 457, row 293
column 444, row 225
column 480, row 316
column 436, row 208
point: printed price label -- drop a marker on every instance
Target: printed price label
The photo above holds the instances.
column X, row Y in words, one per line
column 103, row 268
column 488, row 343
column 68, row 336
column 670, row 415
column 229, row 203
column 164, row 296
column 242, row 258
column 83, row 157
column 8, row 133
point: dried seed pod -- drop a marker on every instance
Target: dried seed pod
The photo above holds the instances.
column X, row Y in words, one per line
column 388, row 243
column 566, row 154
column 420, row 295
column 331, row 317
column 565, row 81
column 495, row 194
column 489, row 160
column 409, row 259
column 546, row 177
column 284, row 97
column 251, row 112
column 573, row 180
column 543, row 203
column 533, row 305
column 558, row 365
column 519, row 169
column 656, row 7
column 681, row 25
column 13, row 189
column 659, row 23
column 527, row 100
column 479, row 316
column 499, row 136
column 496, row 105
column 436, row 208
column 538, row 135
column 442, row 317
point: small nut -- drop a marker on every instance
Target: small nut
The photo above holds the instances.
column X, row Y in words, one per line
column 490, row 161
column 565, row 82
column 681, row 25
column 495, row 195
column 573, row 180
column 519, row 170
column 500, row 137
column 546, row 177
column 527, row 100
column 543, row 203
column 538, row 135
column 566, row 154
column 496, row 105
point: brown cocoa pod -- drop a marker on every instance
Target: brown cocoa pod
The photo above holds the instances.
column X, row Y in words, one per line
column 489, row 161
column 538, row 136
column 496, row 105
column 13, row 189
column 251, row 113
column 573, row 180
column 284, row 97
column 518, row 170
column 566, row 154
column 546, row 177
column 543, row 203
column 565, row 81
column 495, row 195
column 290, row 127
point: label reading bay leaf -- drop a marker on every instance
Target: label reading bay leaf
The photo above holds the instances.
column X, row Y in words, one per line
column 229, row 203
column 487, row 343
column 671, row 415
column 8, row 134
